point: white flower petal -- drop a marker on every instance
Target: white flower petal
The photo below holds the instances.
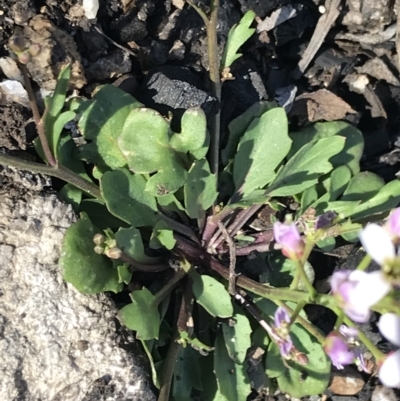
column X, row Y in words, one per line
column 389, row 373
column 371, row 288
column 389, row 326
column 377, row 243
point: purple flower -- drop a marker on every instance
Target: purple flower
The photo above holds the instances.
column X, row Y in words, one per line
column 389, row 372
column 281, row 332
column 358, row 291
column 342, row 348
column 338, row 350
column 288, row 236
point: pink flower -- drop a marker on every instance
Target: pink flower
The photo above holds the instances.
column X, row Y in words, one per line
column 358, row 291
column 281, row 329
column 342, row 348
column 337, row 349
column 392, row 224
column 389, row 372
column 288, row 236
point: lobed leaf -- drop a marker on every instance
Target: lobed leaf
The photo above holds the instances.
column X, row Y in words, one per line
column 102, row 121
column 238, row 35
column 142, row 315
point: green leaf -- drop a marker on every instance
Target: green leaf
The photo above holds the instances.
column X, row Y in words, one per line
column 362, row 187
column 305, row 167
column 200, row 189
column 162, row 236
column 238, row 126
column 261, row 149
column 87, row 271
column 282, row 271
column 125, row 197
column 147, row 345
column 130, row 242
column 144, row 142
column 211, row 295
column 327, row 244
column 298, row 380
column 351, row 152
column 232, row 379
column 340, row 178
column 186, row 374
column 237, row 337
column 193, row 137
column 102, row 121
column 72, row 195
column 194, row 342
column 308, row 197
column 124, row 273
column 385, row 200
column 238, row 35
column 142, row 315
column 99, row 215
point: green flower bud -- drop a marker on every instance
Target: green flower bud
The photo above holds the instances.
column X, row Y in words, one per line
column 99, row 249
column 113, row 253
column 98, row 239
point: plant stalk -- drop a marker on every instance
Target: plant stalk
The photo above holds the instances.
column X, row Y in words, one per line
column 36, row 115
column 55, row 171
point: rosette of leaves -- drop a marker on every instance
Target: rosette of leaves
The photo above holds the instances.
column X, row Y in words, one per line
column 156, row 191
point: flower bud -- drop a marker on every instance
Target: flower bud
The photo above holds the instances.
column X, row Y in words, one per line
column 99, row 249
column 98, row 239
column 288, row 236
column 113, row 253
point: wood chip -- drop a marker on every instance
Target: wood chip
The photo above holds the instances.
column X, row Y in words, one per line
column 276, row 18
column 378, row 69
column 321, row 105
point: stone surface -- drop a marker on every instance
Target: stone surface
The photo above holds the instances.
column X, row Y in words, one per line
column 56, row 344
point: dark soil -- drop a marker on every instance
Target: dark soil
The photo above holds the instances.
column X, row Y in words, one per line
column 165, row 44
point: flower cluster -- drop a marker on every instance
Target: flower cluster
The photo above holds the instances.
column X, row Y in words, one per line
column 358, row 291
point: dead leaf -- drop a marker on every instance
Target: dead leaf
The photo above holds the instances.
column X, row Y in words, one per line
column 321, row 105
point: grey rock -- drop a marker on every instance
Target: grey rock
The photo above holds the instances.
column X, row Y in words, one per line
column 55, row 343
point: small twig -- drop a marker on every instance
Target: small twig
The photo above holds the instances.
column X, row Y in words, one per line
column 232, row 259
column 36, row 115
column 129, row 51
column 321, row 30
column 245, row 301
column 240, row 220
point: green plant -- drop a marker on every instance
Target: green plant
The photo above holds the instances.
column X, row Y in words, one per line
column 167, row 221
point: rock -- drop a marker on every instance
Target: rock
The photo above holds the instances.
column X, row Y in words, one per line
column 381, row 393
column 58, row 49
column 346, row 382
column 23, row 11
column 113, row 65
column 56, row 344
column 129, row 28
column 175, row 89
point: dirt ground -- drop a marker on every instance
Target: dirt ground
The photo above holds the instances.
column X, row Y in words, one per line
column 324, row 60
